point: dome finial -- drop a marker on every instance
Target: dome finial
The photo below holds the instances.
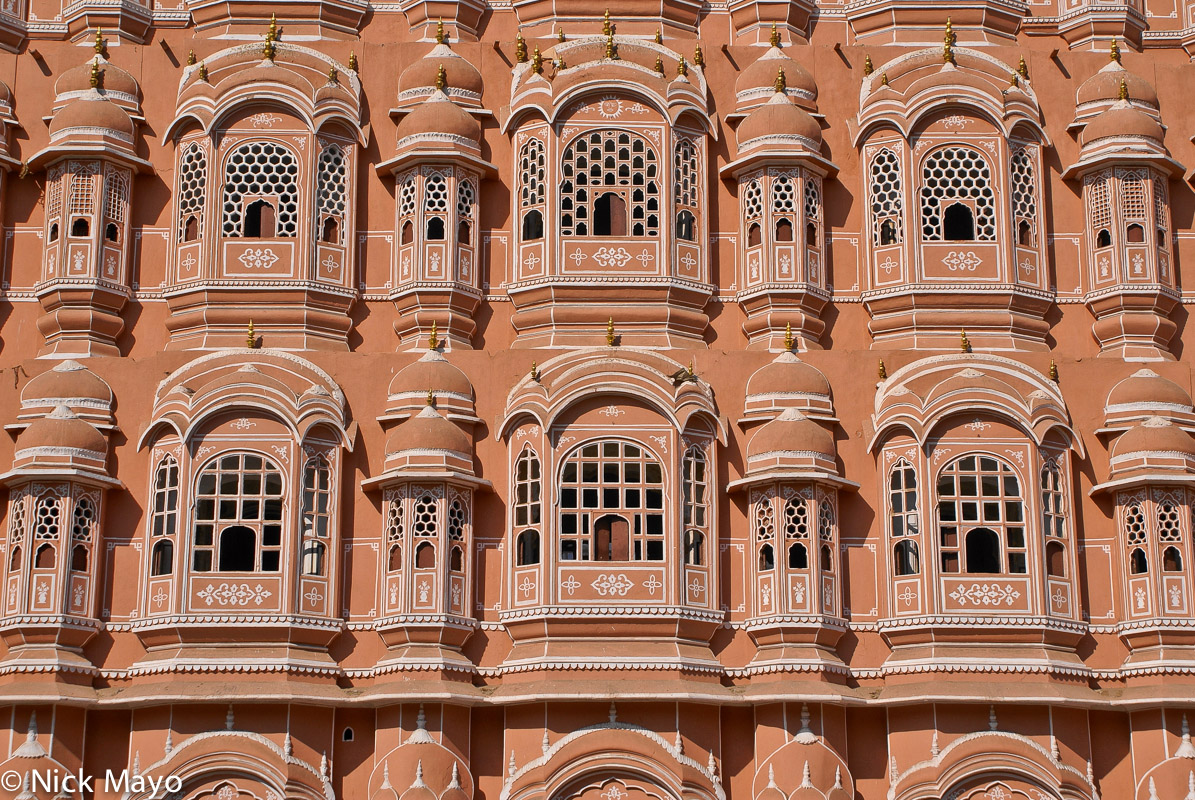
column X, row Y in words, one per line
column 781, row 84
column 682, row 67
column 611, row 49
column 190, row 58
column 203, row 71
column 520, row 49
column 441, row 83
column 610, row 332
column 884, row 79
column 560, row 35
column 269, row 50
column 607, row 28
column 1123, row 92
column 94, row 78
column 659, row 36
column 537, row 62
column 774, row 39
column 535, row 372
column 948, row 40
column 659, row 65
column 868, row 67
column 882, row 371
column 1023, row 68
column 272, row 33
column 353, row 61
column 433, row 341
column 250, row 336
column 431, row 399
column 100, row 45
column 1053, row 371
column 788, row 337
column 963, row 342
column 698, row 57
column 333, row 75
column 440, row 31
column 1114, row 51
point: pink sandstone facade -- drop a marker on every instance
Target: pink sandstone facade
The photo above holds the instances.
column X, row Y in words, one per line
column 731, row 400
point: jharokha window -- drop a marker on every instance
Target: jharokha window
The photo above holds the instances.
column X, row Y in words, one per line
column 163, row 520
column 238, row 515
column 903, row 520
column 261, row 192
column 610, row 186
column 612, row 504
column 958, row 201
column 981, row 518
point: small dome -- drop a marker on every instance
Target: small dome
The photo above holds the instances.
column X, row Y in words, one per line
column 428, row 430
column 1146, row 387
column 458, row 73
column 759, row 78
column 788, row 375
column 792, row 432
column 1120, row 120
column 1154, row 435
column 67, row 383
column 112, row 79
column 62, row 429
column 439, row 116
column 431, row 373
column 780, row 116
column 1104, row 87
column 92, row 110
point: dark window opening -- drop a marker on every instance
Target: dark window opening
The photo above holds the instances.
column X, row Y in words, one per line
column 1138, row 564
column 408, row 233
column 162, row 561
column 464, row 233
column 798, row 556
column 191, row 229
column 754, row 234
column 14, row 563
column 527, row 548
column 313, row 558
column 958, row 223
column 80, row 227
column 347, row 736
column 694, row 548
column 1172, row 560
column 533, row 226
column 394, row 561
column 259, row 220
column 54, row 232
column 79, row 558
column 784, row 230
column 811, row 235
column 767, row 558
column 1161, row 237
column 610, row 215
column 611, row 539
column 425, row 556
column 1055, row 560
column 887, row 232
column 238, row 549
column 45, row 557
column 330, row 232
column 1103, row 238
column 827, row 560
column 686, row 226
column 906, row 559
column 1135, row 234
column 983, row 551
column 435, row 229
column 456, row 560
column 112, row 232
column 1025, row 234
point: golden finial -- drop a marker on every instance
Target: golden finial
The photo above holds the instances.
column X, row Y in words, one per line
column 537, row 62
column 682, row 68
column 781, row 83
column 1123, row 94
column 520, row 49
column 689, row 371
column 610, row 332
column 534, row 371
column 431, row 399
column 250, row 337
column 353, row 61
column 611, row 50
column 440, row 32
column 560, row 35
column 433, row 341
column 25, row 169
column 1023, row 68
column 698, row 57
column 441, row 79
column 272, row 33
column 868, row 67
column 788, row 337
column 191, row 58
column 333, row 75
column 1114, row 51
column 883, row 79
column 607, row 28
column 659, row 36
column 100, row 45
column 774, row 39
column 560, row 64
column 883, row 371
column 95, row 74
column 1013, row 80
column 659, row 65
column 203, row 71
column 963, row 342
column 269, row 49
column 1053, row 371
column 948, row 43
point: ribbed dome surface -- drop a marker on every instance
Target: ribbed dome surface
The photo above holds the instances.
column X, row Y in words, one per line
column 780, row 116
column 1122, row 120
column 62, row 429
column 439, row 115
column 792, row 431
column 428, row 430
column 92, row 111
column 1154, row 435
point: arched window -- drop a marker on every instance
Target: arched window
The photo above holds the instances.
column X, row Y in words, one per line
column 117, row 183
column 1136, row 538
column 425, row 525
column 902, row 500
column 407, row 206
column 458, row 523
column 466, row 201
column 238, row 515
column 1170, row 533
column 533, row 225
column 46, row 530
column 1024, row 195
column 192, row 185
column 45, row 557
column 394, row 529
column 905, row 559
column 981, row 514
column 84, row 519
column 1172, row 560
column 435, row 206
column 615, row 165
column 1161, row 212
column 331, row 193
column 81, row 227
column 887, row 200
column 1135, row 234
column 1099, row 207
column 950, row 175
column 798, row 556
column 694, row 487
column 1055, row 560
column 527, row 488
column 162, row 558
column 687, row 179
column 612, row 493
column 796, row 531
column 694, row 548
column 317, row 513
column 1053, row 504
column 813, row 211
column 456, row 560
column 81, row 199
column 527, row 548
column 532, row 188
column 784, row 207
column 394, row 558
column 254, row 171
column 827, row 532
column 765, row 532
column 753, row 212
column 425, row 555
column 767, row 558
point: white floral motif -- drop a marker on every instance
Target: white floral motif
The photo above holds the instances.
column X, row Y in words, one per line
column 434, row 262
column 607, row 257
column 615, row 792
column 696, row 587
column 77, row 596
column 612, row 585
column 662, row 441
column 424, row 590
column 1138, row 262
column 234, row 594
column 799, row 593
column 243, row 424
column 612, row 411
column 1027, row 266
column 889, row 265
column 226, row 793
column 907, row 595
column 110, row 265
column 958, row 260
column 78, row 261
column 571, row 585
column 1176, row 597
column 43, row 591
column 986, row 594
column 393, row 593
column 330, row 264
column 1104, row 266
column 264, row 120
column 785, row 264
column 1059, row 599
column 955, row 121
column 258, row 258
column 651, row 584
column 530, row 261
column 313, row 597
column 978, row 425
column 577, row 256
column 1139, row 595
column 645, row 257
column 765, row 595
column 456, row 594
column 1017, row 456
column 160, row 597
column 526, row 586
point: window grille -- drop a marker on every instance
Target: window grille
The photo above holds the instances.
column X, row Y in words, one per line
column 887, row 203
column 753, row 200
column 1024, row 195
column 1101, row 208
column 957, row 173
column 981, row 520
column 532, row 174
column 1132, row 195
column 54, row 200
column 694, row 487
column 116, row 194
column 435, row 194
column 332, row 183
column 902, row 500
column 261, row 169
column 783, row 195
column 813, row 201
column 466, row 198
column 1170, row 525
column 527, row 488
column 238, row 515
column 83, row 520
column 609, row 162
column 612, row 504
column 1053, row 521
column 687, row 173
column 192, row 184
column 82, row 193
column 406, row 203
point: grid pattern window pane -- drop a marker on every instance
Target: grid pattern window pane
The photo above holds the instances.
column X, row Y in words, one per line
column 603, row 162
column 1132, row 195
column 317, row 497
column 957, row 173
column 533, row 173
column 886, row 193
column 116, row 194
column 264, row 169
column 82, row 193
column 332, row 182
column 54, row 193
column 902, row 499
column 687, row 174
column 527, row 488
column 192, row 186
column 981, row 519
column 695, row 487
column 1101, row 208
column 753, row 200
column 612, row 504
column 1024, row 195
column 1053, row 515
column 238, row 515
column 1161, row 215
column 165, row 500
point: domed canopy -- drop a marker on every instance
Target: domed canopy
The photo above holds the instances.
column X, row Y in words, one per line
column 419, row 80
column 439, row 117
column 432, row 372
column 1146, row 390
column 788, row 382
column 60, row 444
column 1104, row 87
column 792, row 433
column 1122, row 120
column 62, row 430
column 1154, row 435
column 755, row 83
column 69, row 384
column 111, row 80
column 92, row 111
column 779, row 119
column 429, row 430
